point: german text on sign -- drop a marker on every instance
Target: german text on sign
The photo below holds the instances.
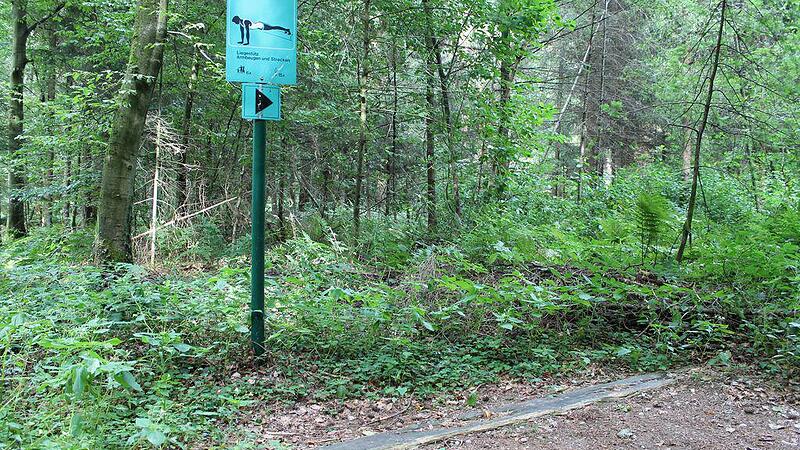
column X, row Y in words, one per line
column 262, row 41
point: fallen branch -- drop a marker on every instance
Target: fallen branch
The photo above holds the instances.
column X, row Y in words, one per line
column 383, row 419
column 181, row 219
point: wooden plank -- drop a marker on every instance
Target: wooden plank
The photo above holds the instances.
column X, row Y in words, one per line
column 414, row 436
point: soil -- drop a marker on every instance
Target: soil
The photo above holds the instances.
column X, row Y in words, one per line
column 703, row 409
column 700, row 411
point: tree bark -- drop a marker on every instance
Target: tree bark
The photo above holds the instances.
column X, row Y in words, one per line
column 183, row 169
column 583, row 160
column 90, row 201
column 391, row 155
column 608, row 158
column 19, row 59
column 154, row 198
column 363, row 77
column 48, row 96
column 430, row 156
column 687, row 154
column 113, row 240
column 687, row 226
column 449, row 128
column 501, row 160
column 561, row 103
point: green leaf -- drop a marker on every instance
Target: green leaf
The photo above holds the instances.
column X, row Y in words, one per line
column 155, row 437
column 79, row 381
column 143, row 422
column 128, row 381
column 76, row 424
column 183, row 348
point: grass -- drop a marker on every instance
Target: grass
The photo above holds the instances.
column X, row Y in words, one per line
column 147, row 359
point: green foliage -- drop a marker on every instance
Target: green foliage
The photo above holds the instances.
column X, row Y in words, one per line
column 547, row 278
column 534, row 286
column 652, row 214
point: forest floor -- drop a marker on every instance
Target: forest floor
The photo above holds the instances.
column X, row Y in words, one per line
column 702, row 409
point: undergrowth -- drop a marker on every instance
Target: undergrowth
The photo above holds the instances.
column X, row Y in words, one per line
column 531, row 287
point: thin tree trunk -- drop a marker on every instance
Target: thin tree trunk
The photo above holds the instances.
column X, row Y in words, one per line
column 391, row 156
column 608, row 157
column 183, row 168
column 430, row 157
column 582, row 146
column 326, row 181
column 113, row 241
column 282, row 205
column 154, row 205
column 583, row 161
column 449, row 128
column 558, row 186
column 50, row 96
column 687, row 154
column 89, row 207
column 502, row 161
column 65, row 211
column 19, row 59
column 363, row 77
column 687, row 226
column 593, row 76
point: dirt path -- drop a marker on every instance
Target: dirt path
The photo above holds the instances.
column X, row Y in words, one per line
column 701, row 409
column 698, row 412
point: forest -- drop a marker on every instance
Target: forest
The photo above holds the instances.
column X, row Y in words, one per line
column 461, row 195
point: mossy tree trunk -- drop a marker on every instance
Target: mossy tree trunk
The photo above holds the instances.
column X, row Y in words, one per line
column 113, row 240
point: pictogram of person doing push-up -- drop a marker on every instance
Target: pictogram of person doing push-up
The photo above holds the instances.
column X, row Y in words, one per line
column 245, row 25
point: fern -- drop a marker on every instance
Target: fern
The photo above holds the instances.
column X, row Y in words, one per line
column 651, row 213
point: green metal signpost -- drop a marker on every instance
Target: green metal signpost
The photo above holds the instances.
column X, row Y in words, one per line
column 261, row 51
column 259, row 205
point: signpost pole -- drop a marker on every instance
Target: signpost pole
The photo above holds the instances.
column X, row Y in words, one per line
column 262, row 57
column 258, row 206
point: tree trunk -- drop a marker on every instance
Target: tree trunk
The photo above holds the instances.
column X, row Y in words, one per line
column 449, row 129
column 687, row 226
column 558, row 190
column 188, row 109
column 391, row 155
column 19, row 59
column 362, row 132
column 591, row 106
column 48, row 96
column 502, row 161
column 281, row 194
column 113, row 241
column 154, row 204
column 602, row 149
column 90, row 205
column 65, row 211
column 326, row 188
column 583, row 160
column 430, row 157
column 687, row 154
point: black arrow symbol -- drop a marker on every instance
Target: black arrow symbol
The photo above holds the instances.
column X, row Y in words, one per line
column 262, row 102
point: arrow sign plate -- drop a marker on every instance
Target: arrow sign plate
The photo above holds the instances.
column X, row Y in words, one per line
column 261, row 102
